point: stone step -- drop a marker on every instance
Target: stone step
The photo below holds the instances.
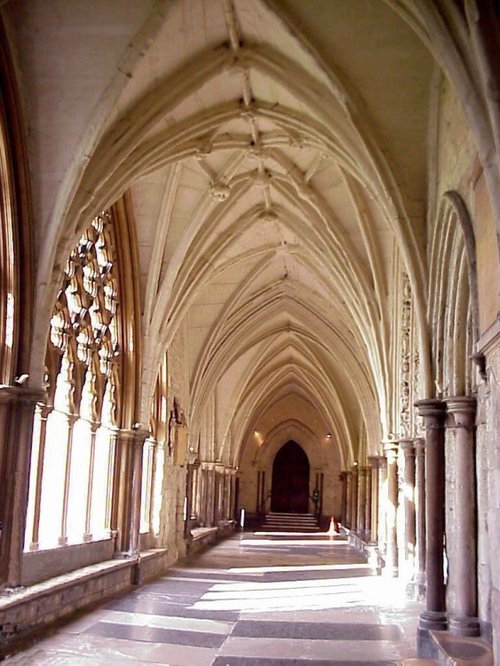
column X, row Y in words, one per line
column 292, row 522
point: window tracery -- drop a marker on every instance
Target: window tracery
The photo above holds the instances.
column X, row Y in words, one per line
column 73, row 451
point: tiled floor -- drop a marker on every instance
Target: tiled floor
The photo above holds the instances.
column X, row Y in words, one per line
column 253, row 600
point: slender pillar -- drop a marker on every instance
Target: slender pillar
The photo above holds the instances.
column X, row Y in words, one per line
column 361, row 510
column 43, row 412
column 382, row 502
column 374, row 470
column 408, row 448
column 63, row 536
column 204, row 497
column 419, row 578
column 368, row 504
column 463, row 620
column 348, row 510
column 343, row 509
column 87, row 535
column 189, row 500
column 434, row 616
column 127, row 498
column 211, row 497
column 391, row 560
column 354, row 497
column 17, row 407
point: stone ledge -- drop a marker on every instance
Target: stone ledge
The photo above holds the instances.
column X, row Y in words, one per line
column 204, row 536
column 200, row 533
column 25, row 612
column 453, row 650
column 370, row 550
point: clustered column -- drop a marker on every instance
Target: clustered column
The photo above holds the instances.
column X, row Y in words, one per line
column 462, row 620
column 361, row 501
column 17, row 407
column 343, row 510
column 419, row 578
column 391, row 450
column 354, row 497
column 382, row 502
column 374, row 463
column 408, row 448
column 126, row 511
column 434, row 616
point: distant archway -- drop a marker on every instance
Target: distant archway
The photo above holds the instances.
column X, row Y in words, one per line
column 290, row 489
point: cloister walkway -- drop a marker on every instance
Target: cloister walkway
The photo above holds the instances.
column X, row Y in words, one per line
column 253, row 600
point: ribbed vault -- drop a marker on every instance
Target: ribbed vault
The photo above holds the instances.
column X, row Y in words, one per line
column 274, row 204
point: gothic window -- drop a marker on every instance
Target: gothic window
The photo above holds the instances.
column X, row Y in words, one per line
column 75, row 430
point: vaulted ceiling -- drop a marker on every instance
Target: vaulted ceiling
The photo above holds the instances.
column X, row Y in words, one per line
column 275, row 154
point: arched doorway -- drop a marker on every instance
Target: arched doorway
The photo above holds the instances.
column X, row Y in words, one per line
column 290, row 489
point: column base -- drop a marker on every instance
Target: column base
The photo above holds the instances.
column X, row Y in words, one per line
column 390, row 571
column 464, row 626
column 432, row 621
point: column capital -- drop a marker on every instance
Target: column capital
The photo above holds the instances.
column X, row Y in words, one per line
column 463, row 408
column 140, row 433
column 419, row 444
column 9, row 393
column 431, row 408
column 136, row 435
column 407, row 446
column 390, row 447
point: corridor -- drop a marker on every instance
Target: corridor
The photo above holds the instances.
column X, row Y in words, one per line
column 255, row 599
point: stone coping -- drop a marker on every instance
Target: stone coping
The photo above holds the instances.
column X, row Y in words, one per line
column 461, row 649
column 13, row 597
column 199, row 533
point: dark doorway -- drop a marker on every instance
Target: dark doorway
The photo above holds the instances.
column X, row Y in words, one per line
column 290, row 489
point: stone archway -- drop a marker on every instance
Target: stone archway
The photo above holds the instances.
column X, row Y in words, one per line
column 290, row 486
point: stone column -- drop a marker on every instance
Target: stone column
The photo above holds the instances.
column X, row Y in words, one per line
column 434, row 616
column 211, row 497
column 361, row 503
column 382, row 501
column 354, row 497
column 87, row 535
column 189, row 500
column 368, row 504
column 17, row 408
column 374, row 468
column 343, row 505
column 44, row 412
column 391, row 560
column 463, row 620
column 419, row 579
column 63, row 535
column 127, row 494
column 348, row 510
column 408, row 448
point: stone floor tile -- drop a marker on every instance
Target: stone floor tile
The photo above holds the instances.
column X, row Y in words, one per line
column 252, row 600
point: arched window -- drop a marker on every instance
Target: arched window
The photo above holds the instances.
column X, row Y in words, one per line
column 75, row 430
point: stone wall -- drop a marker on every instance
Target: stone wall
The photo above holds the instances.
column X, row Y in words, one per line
column 42, row 564
column 488, row 477
column 29, row 611
column 456, row 167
